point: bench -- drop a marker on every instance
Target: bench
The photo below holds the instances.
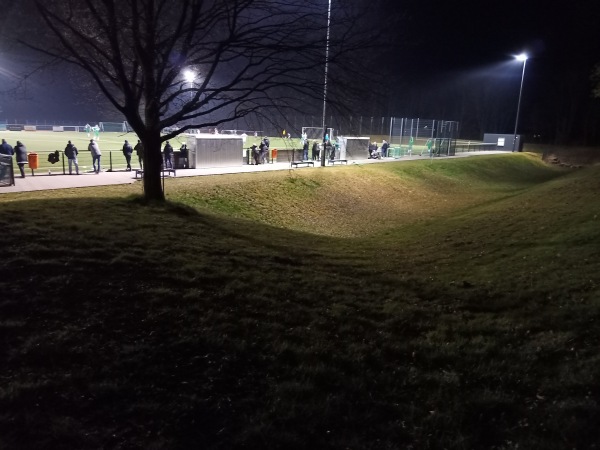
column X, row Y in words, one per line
column 307, row 163
column 333, row 161
column 140, row 172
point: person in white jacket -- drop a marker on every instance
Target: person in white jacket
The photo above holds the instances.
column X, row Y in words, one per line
column 96, row 154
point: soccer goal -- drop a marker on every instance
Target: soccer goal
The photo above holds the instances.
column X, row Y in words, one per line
column 313, row 133
column 115, row 127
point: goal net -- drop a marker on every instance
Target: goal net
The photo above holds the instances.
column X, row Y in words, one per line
column 119, row 127
column 313, row 133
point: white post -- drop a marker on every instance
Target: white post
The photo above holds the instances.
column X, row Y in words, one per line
column 325, row 83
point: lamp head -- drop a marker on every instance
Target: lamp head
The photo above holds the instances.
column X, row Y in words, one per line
column 521, row 57
column 189, row 75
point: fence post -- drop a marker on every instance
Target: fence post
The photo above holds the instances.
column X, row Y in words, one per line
column 111, row 168
column 63, row 163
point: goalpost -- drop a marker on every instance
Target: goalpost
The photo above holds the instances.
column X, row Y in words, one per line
column 118, row 127
column 313, row 133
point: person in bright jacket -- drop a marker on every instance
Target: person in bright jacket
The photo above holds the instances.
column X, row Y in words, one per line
column 21, row 155
column 96, row 154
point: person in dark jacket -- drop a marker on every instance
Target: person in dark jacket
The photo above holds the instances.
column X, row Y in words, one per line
column 183, row 154
column 255, row 154
column 315, row 151
column 71, row 153
column 305, row 150
column 168, row 151
column 139, row 149
column 6, row 148
column 263, row 152
column 373, row 150
column 384, row 148
column 21, row 155
column 127, row 151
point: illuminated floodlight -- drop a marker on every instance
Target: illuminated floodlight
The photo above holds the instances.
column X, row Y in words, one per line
column 189, row 75
column 521, row 57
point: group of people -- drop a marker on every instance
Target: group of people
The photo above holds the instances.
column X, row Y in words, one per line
column 168, row 156
column 330, row 150
column 260, row 153
column 92, row 129
column 20, row 152
column 71, row 153
column 315, row 150
column 377, row 153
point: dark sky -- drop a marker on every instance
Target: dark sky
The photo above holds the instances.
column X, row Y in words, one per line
column 470, row 33
column 443, row 47
column 433, row 44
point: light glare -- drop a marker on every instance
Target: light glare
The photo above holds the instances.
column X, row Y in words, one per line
column 189, row 75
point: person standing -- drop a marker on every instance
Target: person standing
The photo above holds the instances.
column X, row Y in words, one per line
column 315, row 151
column 71, row 153
column 305, row 151
column 168, row 151
column 264, row 151
column 6, row 148
column 384, row 148
column 183, row 154
column 127, row 151
column 139, row 150
column 255, row 154
column 96, row 154
column 21, row 155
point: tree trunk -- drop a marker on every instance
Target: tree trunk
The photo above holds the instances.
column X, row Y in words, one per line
column 152, row 167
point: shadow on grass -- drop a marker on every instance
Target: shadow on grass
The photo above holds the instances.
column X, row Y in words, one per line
column 140, row 326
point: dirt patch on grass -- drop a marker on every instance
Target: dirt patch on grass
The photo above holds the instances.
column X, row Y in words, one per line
column 571, row 156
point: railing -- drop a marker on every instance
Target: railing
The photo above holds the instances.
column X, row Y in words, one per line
column 475, row 146
column 110, row 161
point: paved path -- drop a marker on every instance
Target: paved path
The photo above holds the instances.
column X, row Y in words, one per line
column 43, row 181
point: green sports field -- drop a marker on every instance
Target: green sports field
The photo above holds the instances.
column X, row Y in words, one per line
column 111, row 144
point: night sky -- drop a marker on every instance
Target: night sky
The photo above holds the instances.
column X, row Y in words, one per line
column 433, row 46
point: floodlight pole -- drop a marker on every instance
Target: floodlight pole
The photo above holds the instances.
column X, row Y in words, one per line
column 521, row 57
column 323, row 156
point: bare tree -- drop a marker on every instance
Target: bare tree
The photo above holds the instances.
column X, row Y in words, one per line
column 245, row 56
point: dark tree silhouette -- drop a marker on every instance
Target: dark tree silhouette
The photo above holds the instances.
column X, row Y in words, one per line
column 247, row 56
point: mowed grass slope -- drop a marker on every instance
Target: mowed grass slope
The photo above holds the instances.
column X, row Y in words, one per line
column 444, row 304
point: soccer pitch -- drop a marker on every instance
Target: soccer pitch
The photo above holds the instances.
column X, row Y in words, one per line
column 111, row 145
column 45, row 142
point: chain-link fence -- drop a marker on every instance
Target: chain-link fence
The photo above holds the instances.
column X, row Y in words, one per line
column 423, row 136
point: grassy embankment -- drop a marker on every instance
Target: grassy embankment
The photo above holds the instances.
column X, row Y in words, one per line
column 444, row 304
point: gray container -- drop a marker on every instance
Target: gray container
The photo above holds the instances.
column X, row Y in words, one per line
column 214, row 150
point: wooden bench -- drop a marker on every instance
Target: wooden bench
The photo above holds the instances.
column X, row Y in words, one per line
column 164, row 171
column 307, row 163
column 333, row 161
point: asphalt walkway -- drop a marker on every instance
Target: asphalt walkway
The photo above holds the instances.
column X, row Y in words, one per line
column 44, row 181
